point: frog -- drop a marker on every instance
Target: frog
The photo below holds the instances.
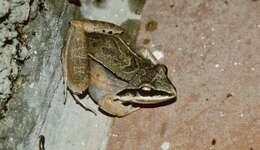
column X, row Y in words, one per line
column 100, row 59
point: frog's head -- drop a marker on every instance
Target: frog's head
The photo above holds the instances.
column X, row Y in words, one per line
column 155, row 87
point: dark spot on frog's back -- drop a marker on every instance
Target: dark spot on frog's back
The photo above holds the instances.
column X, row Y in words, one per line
column 151, row 26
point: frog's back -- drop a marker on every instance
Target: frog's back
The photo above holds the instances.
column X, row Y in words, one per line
column 113, row 53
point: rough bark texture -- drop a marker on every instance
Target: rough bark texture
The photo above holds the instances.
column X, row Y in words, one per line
column 12, row 17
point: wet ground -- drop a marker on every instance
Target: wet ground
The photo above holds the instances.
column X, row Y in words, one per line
column 212, row 51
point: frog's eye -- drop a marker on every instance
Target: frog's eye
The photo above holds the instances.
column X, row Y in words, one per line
column 146, row 87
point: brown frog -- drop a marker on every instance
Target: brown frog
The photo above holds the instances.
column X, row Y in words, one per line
column 99, row 57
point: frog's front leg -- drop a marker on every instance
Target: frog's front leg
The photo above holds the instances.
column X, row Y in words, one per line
column 111, row 105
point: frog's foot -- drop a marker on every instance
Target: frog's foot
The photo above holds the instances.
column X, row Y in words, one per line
column 117, row 108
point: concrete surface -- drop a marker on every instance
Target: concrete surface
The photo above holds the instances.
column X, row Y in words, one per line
column 212, row 52
column 36, row 107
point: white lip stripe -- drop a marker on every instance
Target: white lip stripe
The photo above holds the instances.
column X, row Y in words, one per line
column 147, row 99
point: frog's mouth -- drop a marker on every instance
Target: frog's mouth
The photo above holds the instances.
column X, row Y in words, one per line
column 140, row 96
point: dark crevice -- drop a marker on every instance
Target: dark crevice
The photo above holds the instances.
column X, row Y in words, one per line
column 41, row 6
column 5, row 17
column 3, row 109
column 31, row 2
column 8, row 42
column 75, row 2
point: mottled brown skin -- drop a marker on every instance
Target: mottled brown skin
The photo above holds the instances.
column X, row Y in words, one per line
column 99, row 56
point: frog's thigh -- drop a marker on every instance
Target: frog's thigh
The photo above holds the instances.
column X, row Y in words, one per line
column 115, row 108
column 146, row 54
column 101, row 27
column 75, row 60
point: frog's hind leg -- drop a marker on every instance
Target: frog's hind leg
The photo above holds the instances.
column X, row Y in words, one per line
column 76, row 64
column 76, row 61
